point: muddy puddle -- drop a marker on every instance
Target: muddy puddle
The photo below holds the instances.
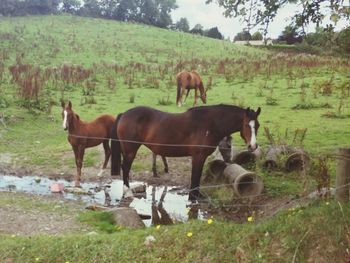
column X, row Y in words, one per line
column 157, row 204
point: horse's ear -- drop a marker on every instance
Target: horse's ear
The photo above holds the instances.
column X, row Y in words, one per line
column 70, row 104
column 63, row 104
column 258, row 111
column 247, row 111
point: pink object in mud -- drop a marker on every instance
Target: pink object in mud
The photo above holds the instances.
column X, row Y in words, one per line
column 57, row 187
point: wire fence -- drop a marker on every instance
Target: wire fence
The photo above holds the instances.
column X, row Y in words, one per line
column 56, row 132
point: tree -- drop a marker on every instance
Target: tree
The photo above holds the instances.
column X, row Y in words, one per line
column 197, row 29
column 214, row 33
column 242, row 36
column 262, row 12
column 90, row 8
column 182, row 25
column 343, row 40
column 165, row 7
column 257, row 36
column 28, row 7
column 290, row 35
column 70, row 6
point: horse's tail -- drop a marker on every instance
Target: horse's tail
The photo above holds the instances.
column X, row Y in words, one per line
column 116, row 149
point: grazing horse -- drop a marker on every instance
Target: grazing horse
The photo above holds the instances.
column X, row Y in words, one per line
column 224, row 148
column 187, row 80
column 83, row 135
column 198, row 131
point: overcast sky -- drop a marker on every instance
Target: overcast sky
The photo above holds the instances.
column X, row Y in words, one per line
column 197, row 12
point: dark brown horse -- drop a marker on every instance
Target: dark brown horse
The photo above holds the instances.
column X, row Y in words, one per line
column 83, row 135
column 187, row 80
column 194, row 133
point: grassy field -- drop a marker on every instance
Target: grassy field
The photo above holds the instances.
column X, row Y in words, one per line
column 108, row 67
column 319, row 233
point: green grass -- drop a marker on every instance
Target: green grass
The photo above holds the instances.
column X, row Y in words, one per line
column 322, row 232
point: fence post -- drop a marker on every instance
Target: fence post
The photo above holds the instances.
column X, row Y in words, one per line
column 343, row 176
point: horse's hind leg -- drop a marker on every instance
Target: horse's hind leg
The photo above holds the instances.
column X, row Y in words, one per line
column 166, row 168
column 154, row 165
column 107, row 153
column 129, row 153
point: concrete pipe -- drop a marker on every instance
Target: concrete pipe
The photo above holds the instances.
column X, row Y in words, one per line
column 215, row 170
column 298, row 160
column 245, row 183
column 272, row 157
column 245, row 158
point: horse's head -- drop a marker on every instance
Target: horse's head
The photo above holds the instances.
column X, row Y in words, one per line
column 67, row 115
column 250, row 128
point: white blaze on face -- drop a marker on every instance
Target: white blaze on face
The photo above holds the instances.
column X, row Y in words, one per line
column 65, row 119
column 252, row 138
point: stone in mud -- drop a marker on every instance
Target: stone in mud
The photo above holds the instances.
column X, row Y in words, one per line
column 127, row 217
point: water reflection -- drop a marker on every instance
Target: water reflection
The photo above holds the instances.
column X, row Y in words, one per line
column 158, row 204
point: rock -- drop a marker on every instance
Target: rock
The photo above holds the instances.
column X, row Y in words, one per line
column 149, row 240
column 57, row 187
column 77, row 190
column 96, row 207
column 37, row 179
column 138, row 188
column 127, row 217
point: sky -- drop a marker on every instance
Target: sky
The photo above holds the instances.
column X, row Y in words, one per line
column 197, row 12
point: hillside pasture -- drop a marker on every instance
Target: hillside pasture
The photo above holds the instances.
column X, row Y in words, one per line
column 107, row 67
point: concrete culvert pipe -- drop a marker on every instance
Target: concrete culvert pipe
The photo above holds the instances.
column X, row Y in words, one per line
column 215, row 170
column 245, row 183
column 272, row 157
column 245, row 158
column 297, row 161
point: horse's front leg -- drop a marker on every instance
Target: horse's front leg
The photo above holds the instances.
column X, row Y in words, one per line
column 197, row 168
column 195, row 96
column 79, row 157
column 188, row 91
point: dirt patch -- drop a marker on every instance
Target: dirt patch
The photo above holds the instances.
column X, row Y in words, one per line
column 18, row 220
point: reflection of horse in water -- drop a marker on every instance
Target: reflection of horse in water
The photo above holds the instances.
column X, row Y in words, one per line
column 159, row 215
column 187, row 80
column 224, row 148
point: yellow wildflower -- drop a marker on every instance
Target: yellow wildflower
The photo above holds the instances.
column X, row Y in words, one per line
column 210, row 221
column 189, row 234
column 158, row 226
column 250, row 219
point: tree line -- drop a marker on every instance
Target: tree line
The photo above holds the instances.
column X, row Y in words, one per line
column 150, row 12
